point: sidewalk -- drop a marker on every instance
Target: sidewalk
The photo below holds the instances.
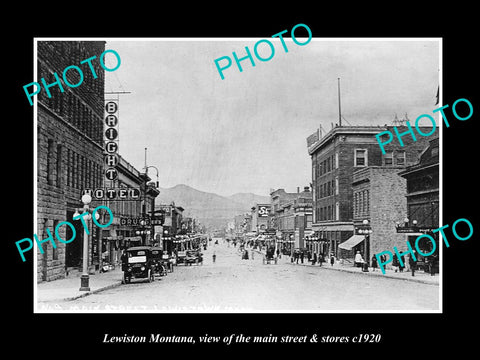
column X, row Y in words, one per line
column 420, row 276
column 68, row 288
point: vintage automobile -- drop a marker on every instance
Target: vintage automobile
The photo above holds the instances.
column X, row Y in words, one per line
column 193, row 257
column 180, row 258
column 169, row 261
column 139, row 263
column 270, row 256
column 160, row 265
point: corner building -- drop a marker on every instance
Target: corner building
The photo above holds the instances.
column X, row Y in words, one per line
column 69, row 151
column 335, row 157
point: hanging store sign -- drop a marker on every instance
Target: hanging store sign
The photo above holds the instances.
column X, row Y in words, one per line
column 263, row 210
column 413, row 229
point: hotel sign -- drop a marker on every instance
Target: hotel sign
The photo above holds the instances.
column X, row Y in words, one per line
column 113, row 193
column 110, row 139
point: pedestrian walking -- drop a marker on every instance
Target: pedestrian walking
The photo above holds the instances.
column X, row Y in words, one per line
column 214, row 256
column 123, row 260
column 297, row 257
column 395, row 262
column 374, row 263
column 383, row 258
column 358, row 259
column 332, row 259
column 321, row 259
column 314, row 259
column 401, row 264
column 432, row 261
column 301, row 257
column 412, row 263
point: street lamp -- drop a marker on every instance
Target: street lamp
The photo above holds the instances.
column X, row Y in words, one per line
column 365, row 231
column 84, row 279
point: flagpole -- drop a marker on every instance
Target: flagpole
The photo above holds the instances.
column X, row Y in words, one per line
column 339, row 105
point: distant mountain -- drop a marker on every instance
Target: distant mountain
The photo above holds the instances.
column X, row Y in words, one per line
column 249, row 199
column 211, row 209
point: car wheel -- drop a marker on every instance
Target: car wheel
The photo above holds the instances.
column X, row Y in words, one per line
column 150, row 275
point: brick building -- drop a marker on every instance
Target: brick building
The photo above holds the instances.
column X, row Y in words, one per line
column 378, row 204
column 291, row 217
column 127, row 229
column 69, row 150
column 335, row 157
column 422, row 197
column 172, row 226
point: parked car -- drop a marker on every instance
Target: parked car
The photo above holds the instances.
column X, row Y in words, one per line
column 139, row 263
column 160, row 265
column 193, row 257
column 181, row 255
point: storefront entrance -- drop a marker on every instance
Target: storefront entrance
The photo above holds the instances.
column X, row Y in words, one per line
column 74, row 249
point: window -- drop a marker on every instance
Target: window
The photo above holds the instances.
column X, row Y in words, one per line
column 388, row 158
column 360, row 157
column 336, row 160
column 49, row 162
column 336, row 185
column 399, row 157
column 337, row 211
column 367, row 200
column 54, row 248
column 69, row 167
column 354, row 204
column 59, row 166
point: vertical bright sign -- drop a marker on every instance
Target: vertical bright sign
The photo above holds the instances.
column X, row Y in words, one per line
column 110, row 139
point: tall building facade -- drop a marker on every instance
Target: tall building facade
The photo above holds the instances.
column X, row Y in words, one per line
column 422, row 198
column 378, row 204
column 260, row 218
column 291, row 217
column 69, row 151
column 335, row 157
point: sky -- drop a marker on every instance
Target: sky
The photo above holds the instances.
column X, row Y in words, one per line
column 247, row 132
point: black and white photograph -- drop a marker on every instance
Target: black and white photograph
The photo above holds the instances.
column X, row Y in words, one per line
column 240, row 182
column 238, row 175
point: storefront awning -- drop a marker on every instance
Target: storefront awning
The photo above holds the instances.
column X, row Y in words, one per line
column 352, row 242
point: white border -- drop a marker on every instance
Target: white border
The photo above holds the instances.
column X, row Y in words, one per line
column 186, row 310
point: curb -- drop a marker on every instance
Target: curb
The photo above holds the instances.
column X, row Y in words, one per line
column 371, row 274
column 111, row 286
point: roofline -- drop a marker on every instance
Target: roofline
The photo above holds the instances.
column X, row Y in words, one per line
column 345, row 130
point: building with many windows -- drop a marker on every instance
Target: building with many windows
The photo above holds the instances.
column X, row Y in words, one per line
column 378, row 204
column 291, row 217
column 131, row 216
column 335, row 157
column 69, row 151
